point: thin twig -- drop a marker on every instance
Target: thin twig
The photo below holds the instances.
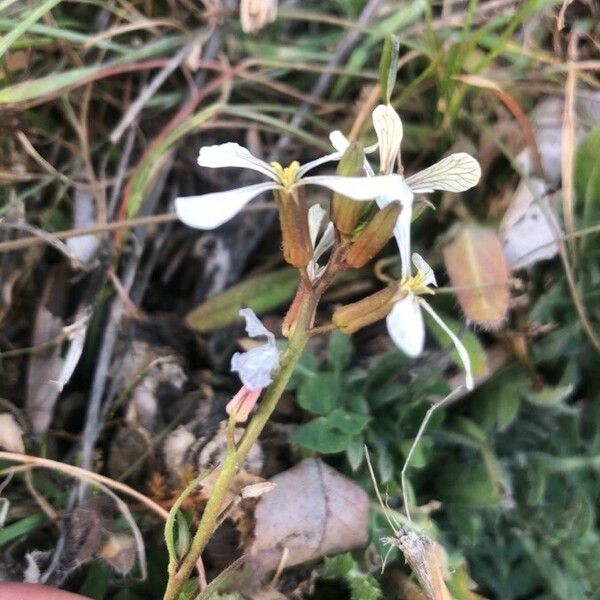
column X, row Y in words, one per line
column 451, row 397
column 126, row 224
column 80, row 473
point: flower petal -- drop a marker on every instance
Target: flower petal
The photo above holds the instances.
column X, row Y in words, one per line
column 339, row 141
column 388, row 128
column 460, row 348
column 254, row 327
column 363, row 188
column 208, row 211
column 256, row 365
column 316, row 213
column 405, row 326
column 315, row 163
column 326, row 242
column 424, row 269
column 402, row 233
column 455, row 173
column 234, row 155
column 242, row 403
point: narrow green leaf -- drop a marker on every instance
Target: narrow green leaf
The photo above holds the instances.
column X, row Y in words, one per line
column 21, row 527
column 261, row 293
column 44, row 86
column 36, row 14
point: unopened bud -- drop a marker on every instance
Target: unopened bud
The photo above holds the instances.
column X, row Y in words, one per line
column 345, row 212
column 293, row 217
column 374, row 236
column 369, row 310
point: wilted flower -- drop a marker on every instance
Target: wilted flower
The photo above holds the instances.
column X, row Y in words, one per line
column 208, row 211
column 256, row 366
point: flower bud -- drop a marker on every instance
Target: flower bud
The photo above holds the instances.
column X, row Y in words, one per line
column 293, row 217
column 345, row 212
column 374, row 236
column 242, row 403
column 369, row 310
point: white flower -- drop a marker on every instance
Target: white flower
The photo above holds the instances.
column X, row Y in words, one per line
column 405, row 321
column 208, row 211
column 455, row 173
column 256, row 365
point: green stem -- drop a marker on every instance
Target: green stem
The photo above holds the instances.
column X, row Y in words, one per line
column 236, row 456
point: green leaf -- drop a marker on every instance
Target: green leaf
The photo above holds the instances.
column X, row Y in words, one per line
column 319, row 436
column 549, row 395
column 387, row 67
column 468, row 485
column 339, row 350
column 363, row 586
column 319, row 393
column 261, row 293
column 307, row 366
column 347, row 422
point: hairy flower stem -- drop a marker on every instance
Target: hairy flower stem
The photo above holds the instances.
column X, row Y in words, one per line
column 236, row 455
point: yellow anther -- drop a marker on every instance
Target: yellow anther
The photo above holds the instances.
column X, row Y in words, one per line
column 416, row 285
column 287, row 175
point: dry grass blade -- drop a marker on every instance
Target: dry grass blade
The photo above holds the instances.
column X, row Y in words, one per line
column 568, row 147
column 515, row 109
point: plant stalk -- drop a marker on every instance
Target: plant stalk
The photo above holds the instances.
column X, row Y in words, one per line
column 235, row 456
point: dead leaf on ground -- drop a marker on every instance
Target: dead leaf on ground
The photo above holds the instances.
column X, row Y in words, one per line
column 313, row 511
column 530, row 227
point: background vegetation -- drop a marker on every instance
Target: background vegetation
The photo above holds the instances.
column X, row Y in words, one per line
column 104, row 106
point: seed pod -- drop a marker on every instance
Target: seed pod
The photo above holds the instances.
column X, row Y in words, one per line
column 374, row 236
column 293, row 218
column 369, row 310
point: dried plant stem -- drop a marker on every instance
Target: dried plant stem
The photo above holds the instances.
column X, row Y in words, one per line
column 236, row 455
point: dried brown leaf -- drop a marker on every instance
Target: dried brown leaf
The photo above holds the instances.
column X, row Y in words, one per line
column 476, row 266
